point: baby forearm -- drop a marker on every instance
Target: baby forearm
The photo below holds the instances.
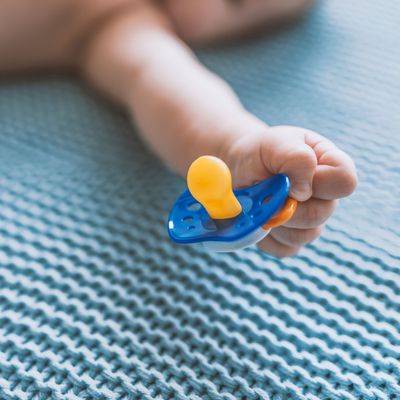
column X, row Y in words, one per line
column 181, row 109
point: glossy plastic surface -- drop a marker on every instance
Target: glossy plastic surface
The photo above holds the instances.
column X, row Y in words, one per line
column 249, row 240
column 210, row 182
column 284, row 215
column 189, row 222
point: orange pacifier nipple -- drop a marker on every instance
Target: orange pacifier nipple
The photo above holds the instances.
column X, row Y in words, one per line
column 210, row 183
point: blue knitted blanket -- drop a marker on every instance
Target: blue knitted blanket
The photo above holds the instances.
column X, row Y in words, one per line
column 97, row 303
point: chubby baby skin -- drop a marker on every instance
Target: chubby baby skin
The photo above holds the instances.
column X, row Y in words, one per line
column 138, row 53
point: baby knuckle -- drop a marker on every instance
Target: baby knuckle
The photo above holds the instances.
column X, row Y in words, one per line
column 319, row 213
column 316, row 214
column 306, row 157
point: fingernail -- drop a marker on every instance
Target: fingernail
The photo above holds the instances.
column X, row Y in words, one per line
column 302, row 191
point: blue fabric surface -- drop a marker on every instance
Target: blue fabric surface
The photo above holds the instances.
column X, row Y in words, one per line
column 97, row 303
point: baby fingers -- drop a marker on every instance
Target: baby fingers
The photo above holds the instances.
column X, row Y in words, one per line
column 311, row 214
column 296, row 237
column 277, row 249
column 286, row 242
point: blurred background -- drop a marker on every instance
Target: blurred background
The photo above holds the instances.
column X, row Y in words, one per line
column 95, row 300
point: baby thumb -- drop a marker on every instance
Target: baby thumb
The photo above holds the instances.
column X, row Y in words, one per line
column 289, row 154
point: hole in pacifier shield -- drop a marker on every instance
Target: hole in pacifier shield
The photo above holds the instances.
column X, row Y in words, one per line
column 194, row 206
column 266, row 199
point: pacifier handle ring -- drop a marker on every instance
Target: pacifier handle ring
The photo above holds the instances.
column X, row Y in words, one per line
column 283, row 215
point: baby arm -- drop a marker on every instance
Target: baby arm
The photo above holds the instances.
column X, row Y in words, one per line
column 184, row 111
column 129, row 49
column 181, row 108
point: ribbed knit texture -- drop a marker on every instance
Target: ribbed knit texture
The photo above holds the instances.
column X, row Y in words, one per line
column 97, row 303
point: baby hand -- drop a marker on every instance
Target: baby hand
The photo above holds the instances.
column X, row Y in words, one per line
column 181, row 122
column 319, row 173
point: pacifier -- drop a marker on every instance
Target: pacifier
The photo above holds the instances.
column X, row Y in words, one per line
column 222, row 219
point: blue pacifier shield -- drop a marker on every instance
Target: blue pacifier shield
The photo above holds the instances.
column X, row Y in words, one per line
column 189, row 222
